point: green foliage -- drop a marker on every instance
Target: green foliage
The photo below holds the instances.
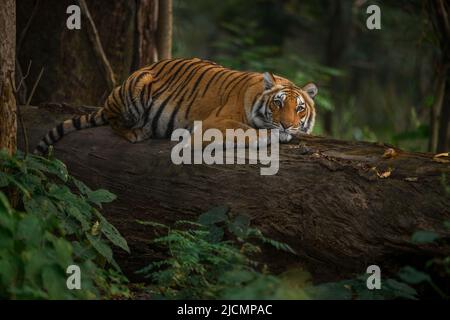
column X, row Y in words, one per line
column 438, row 266
column 424, row 237
column 356, row 289
column 202, row 265
column 58, row 228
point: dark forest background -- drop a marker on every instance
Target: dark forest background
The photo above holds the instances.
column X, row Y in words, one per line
column 377, row 85
column 226, row 232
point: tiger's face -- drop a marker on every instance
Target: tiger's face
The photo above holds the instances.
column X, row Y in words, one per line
column 285, row 107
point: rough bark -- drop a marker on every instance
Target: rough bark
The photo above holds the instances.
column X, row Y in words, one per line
column 73, row 73
column 8, row 122
column 146, row 27
column 328, row 200
column 164, row 35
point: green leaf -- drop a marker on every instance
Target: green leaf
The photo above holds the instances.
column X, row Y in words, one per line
column 74, row 212
column 424, row 237
column 29, row 229
column 214, row 215
column 4, row 204
column 399, row 289
column 239, row 227
column 8, row 271
column 152, row 224
column 63, row 250
column 412, row 276
column 215, row 234
column 112, row 233
column 3, row 180
column 20, row 186
column 102, row 248
column 84, row 189
column 54, row 282
column 101, row 196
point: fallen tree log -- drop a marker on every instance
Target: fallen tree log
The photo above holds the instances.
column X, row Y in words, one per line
column 340, row 205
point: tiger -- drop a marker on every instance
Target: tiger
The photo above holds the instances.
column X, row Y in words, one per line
column 173, row 93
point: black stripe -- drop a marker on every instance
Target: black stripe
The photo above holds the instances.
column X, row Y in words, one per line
column 246, row 85
column 188, row 109
column 226, row 78
column 125, row 92
column 235, row 85
column 173, row 66
column 185, row 84
column 218, row 73
column 158, row 115
column 168, row 82
column 132, row 88
column 171, row 123
column 197, row 82
column 164, row 65
column 234, row 79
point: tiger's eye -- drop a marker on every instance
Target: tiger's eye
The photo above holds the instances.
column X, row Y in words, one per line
column 300, row 107
column 277, row 103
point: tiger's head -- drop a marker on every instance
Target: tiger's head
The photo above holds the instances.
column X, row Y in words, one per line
column 285, row 107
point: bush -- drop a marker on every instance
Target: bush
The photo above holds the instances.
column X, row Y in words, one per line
column 57, row 228
column 203, row 265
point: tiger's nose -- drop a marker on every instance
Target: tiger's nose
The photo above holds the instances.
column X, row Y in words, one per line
column 285, row 125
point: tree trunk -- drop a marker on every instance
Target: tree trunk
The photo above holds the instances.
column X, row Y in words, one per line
column 146, row 28
column 341, row 205
column 164, row 35
column 128, row 35
column 8, row 121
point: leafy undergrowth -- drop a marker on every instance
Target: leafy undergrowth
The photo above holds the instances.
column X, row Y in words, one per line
column 212, row 259
column 52, row 229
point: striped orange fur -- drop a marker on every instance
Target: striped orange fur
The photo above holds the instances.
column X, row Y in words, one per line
column 174, row 93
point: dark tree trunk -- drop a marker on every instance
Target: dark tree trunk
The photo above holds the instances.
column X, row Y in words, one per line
column 8, row 121
column 73, row 71
column 164, row 35
column 333, row 201
column 146, row 51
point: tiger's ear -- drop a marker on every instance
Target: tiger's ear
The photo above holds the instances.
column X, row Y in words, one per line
column 311, row 89
column 269, row 80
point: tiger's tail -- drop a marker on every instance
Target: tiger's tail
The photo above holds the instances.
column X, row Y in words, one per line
column 91, row 120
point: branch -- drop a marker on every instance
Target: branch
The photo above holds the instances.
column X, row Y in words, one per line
column 98, row 48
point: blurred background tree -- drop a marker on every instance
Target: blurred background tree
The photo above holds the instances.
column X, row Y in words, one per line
column 376, row 85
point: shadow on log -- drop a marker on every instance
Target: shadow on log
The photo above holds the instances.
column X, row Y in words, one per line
column 333, row 201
